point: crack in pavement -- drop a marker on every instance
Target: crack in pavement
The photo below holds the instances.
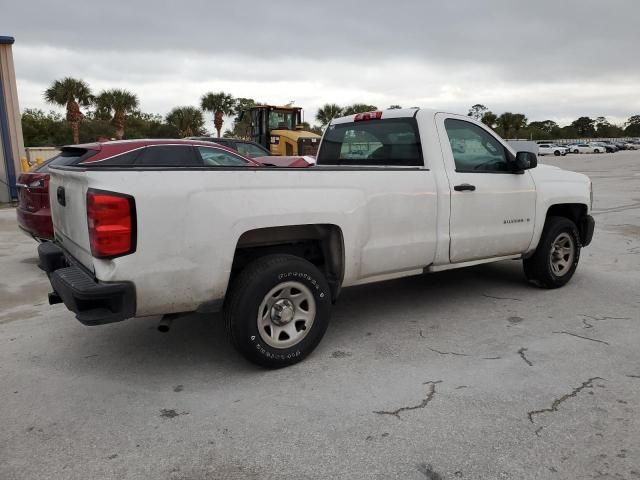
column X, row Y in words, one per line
column 502, row 298
column 617, row 209
column 430, row 394
column 633, row 376
column 585, row 338
column 449, row 353
column 598, row 318
column 556, row 403
column 523, row 356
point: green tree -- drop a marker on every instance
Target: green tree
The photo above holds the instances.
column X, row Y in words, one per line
column 328, row 112
column 584, row 127
column 117, row 103
column 358, row 108
column 632, row 126
column 188, row 121
column 477, row 111
column 510, row 124
column 70, row 93
column 606, row 129
column 41, row 129
column 242, row 119
column 542, row 130
column 568, row 131
column 307, row 127
column 149, row 125
column 489, row 119
column 220, row 104
column 545, row 126
column 394, row 107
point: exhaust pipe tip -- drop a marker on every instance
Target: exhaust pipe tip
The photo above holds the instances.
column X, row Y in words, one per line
column 165, row 322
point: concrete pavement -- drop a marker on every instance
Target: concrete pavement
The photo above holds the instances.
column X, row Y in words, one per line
column 465, row 374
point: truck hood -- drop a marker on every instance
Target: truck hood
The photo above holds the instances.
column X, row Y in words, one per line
column 551, row 173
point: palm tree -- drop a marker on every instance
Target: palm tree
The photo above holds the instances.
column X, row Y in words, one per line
column 220, row 104
column 71, row 93
column 358, row 108
column 328, row 112
column 189, row 121
column 120, row 102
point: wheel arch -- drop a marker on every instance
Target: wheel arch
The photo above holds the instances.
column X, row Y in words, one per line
column 320, row 244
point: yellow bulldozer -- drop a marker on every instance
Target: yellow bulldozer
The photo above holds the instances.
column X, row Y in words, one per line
column 280, row 130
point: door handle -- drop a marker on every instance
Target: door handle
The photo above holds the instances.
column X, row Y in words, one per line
column 463, row 187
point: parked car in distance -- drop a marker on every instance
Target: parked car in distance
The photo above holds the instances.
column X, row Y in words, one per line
column 609, row 147
column 586, row 148
column 631, row 146
column 33, row 212
column 551, row 149
column 245, row 147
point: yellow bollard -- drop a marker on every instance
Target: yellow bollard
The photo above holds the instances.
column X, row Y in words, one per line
column 25, row 164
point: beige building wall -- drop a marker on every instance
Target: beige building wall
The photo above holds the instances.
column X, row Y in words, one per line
column 11, row 127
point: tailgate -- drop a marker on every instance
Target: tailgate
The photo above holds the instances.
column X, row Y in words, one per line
column 68, row 199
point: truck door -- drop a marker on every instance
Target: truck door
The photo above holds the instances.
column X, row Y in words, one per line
column 492, row 205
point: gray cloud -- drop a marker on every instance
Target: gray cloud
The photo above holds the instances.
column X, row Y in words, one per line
column 549, row 59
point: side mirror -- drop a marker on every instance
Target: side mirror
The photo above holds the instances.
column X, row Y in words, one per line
column 526, row 160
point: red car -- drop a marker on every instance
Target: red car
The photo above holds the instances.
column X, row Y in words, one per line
column 34, row 215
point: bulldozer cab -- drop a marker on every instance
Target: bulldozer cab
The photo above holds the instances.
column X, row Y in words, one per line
column 279, row 129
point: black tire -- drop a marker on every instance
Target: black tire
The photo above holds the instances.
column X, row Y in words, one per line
column 576, row 151
column 249, row 291
column 538, row 268
column 596, row 151
column 556, row 153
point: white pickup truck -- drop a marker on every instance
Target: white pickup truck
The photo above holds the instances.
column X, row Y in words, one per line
column 394, row 193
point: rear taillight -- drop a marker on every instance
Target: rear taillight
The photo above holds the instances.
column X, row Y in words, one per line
column 112, row 223
column 367, row 116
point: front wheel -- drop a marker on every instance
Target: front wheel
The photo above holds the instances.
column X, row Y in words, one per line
column 556, row 257
column 596, row 151
column 556, row 153
column 576, row 151
column 278, row 310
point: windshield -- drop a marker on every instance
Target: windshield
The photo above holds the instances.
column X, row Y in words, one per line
column 282, row 120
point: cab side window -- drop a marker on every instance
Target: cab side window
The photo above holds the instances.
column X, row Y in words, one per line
column 474, row 149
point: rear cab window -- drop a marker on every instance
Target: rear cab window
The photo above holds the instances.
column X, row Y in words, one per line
column 390, row 142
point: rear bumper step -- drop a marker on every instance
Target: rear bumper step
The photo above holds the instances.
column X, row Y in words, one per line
column 94, row 302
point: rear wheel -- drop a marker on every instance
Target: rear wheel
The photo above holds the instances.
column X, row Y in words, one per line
column 556, row 258
column 278, row 310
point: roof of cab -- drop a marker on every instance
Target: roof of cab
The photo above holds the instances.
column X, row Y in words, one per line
column 392, row 113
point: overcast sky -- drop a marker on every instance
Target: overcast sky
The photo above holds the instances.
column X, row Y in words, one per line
column 555, row 59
